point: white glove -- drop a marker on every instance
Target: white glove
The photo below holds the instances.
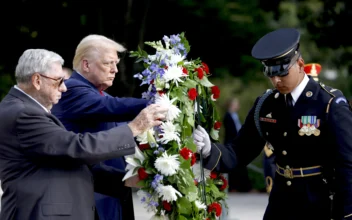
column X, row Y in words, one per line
column 202, row 140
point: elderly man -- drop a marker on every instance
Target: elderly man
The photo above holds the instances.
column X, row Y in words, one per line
column 85, row 107
column 310, row 163
column 44, row 169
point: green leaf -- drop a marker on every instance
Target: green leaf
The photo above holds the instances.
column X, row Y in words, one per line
column 190, row 120
column 215, row 191
column 190, row 83
column 181, row 217
column 205, row 82
column 214, row 134
column 192, row 194
column 186, row 164
column 184, row 206
column 190, row 144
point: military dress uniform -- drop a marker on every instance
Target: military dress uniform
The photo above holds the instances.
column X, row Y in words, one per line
column 313, row 70
column 311, row 137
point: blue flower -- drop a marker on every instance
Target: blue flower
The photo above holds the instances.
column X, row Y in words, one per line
column 161, row 72
column 166, row 39
column 153, row 203
column 153, row 67
column 181, row 47
column 156, row 181
column 162, row 62
column 174, row 39
column 138, row 75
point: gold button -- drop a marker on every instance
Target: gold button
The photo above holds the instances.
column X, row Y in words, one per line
column 288, row 183
column 284, row 152
column 285, row 134
column 287, row 167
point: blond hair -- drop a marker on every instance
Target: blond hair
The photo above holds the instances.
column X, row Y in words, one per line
column 90, row 47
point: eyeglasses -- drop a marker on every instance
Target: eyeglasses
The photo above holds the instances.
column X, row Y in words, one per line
column 280, row 70
column 60, row 82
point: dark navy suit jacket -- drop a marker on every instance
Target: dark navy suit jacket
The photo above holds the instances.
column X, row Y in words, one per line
column 83, row 109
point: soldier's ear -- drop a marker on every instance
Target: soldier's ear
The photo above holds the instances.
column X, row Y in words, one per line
column 301, row 64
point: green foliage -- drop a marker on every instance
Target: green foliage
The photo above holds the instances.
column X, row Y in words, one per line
column 6, row 81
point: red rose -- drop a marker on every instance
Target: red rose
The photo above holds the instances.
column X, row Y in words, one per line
column 144, row 146
column 166, row 206
column 205, row 67
column 215, row 91
column 225, row 183
column 213, row 175
column 184, row 70
column 193, row 159
column 217, row 125
column 192, row 94
column 196, row 182
column 216, row 207
column 166, row 67
column 151, row 81
column 161, row 92
column 186, row 153
column 142, row 174
column 200, row 73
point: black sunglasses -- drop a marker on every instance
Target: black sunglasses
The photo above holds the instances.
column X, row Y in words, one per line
column 280, row 70
column 60, row 82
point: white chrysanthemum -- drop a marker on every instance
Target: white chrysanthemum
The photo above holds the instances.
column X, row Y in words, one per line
column 167, row 165
column 175, row 58
column 169, row 133
column 165, row 101
column 196, row 172
column 200, row 205
column 143, row 138
column 168, row 193
column 174, row 73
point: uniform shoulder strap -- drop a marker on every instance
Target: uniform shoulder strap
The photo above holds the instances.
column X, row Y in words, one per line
column 335, row 94
column 257, row 110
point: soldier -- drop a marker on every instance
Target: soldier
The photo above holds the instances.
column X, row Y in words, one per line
column 309, row 127
column 311, row 69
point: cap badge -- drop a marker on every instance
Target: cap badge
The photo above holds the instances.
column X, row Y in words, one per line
column 309, row 94
column 269, row 115
column 309, row 125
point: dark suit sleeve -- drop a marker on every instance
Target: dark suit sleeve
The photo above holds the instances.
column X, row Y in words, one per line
column 246, row 147
column 108, row 181
column 230, row 129
column 44, row 140
column 340, row 122
column 81, row 102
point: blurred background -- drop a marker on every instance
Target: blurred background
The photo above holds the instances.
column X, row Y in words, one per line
column 221, row 33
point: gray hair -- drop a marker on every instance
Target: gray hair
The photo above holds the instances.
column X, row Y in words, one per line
column 91, row 45
column 35, row 61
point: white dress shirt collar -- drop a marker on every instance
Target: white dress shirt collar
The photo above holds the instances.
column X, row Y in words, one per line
column 16, row 87
column 299, row 89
